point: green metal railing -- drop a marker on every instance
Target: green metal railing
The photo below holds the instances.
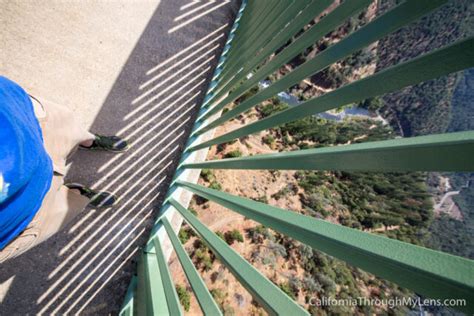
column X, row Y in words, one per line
column 260, row 30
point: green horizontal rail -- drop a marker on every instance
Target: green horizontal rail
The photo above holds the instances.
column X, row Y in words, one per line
column 441, row 62
column 172, row 299
column 387, row 23
column 315, row 33
column 427, row 272
column 203, row 295
column 442, row 152
column 274, row 300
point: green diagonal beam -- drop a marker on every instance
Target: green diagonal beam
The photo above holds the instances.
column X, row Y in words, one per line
column 264, row 291
column 253, row 33
column 259, row 38
column 427, row 272
column 204, row 297
column 142, row 303
column 442, row 152
column 172, row 299
column 389, row 22
column 452, row 58
column 236, row 67
column 128, row 302
column 308, row 38
column 154, row 292
column 292, row 24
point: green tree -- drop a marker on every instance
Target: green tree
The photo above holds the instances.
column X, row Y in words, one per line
column 184, row 297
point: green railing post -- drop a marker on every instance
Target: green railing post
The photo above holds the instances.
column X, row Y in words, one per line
column 203, row 296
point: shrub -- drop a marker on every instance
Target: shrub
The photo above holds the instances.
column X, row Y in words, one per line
column 282, row 193
column 247, row 95
column 295, row 284
column 219, row 296
column 207, row 175
column 372, row 104
column 233, row 154
column 278, row 249
column 203, row 259
column 285, row 287
column 268, row 139
column 229, row 311
column 184, row 234
column 269, row 260
column 272, row 108
column 262, row 199
column 193, row 211
column 218, row 275
column 221, row 235
column 257, row 234
column 184, row 297
column 215, row 185
column 200, row 200
column 202, row 255
column 310, row 285
column 328, row 284
column 233, row 235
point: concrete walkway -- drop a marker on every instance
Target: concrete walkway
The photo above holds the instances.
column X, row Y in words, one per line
column 133, row 68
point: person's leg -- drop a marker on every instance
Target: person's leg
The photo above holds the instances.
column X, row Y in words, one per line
column 60, row 206
column 61, row 135
column 62, row 132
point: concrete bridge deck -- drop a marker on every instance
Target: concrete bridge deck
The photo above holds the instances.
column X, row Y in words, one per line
column 137, row 69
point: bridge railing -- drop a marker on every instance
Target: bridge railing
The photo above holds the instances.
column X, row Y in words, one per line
column 258, row 45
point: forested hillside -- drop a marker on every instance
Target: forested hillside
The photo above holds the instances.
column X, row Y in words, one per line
column 442, row 105
column 463, row 103
column 424, row 108
column 448, row 234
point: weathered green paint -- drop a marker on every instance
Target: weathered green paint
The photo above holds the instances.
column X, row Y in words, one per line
column 292, row 23
column 172, row 299
column 443, row 152
column 142, row 302
column 265, row 292
column 204, row 297
column 128, row 303
column 234, row 68
column 389, row 22
column 315, row 33
column 452, row 58
column 268, row 25
column 251, row 22
column 430, row 273
column 154, row 288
